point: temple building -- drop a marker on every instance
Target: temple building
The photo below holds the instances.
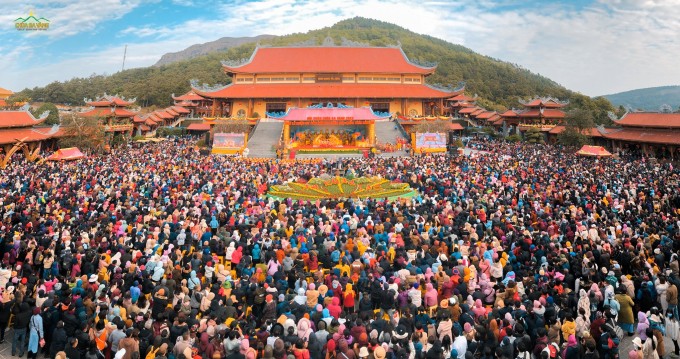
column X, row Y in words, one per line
column 646, row 133
column 275, row 79
column 114, row 113
column 21, row 131
column 543, row 113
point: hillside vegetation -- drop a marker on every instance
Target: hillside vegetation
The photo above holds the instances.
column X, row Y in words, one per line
column 499, row 84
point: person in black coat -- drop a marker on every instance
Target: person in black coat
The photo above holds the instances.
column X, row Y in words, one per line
column 71, row 349
column 5, row 311
column 59, row 339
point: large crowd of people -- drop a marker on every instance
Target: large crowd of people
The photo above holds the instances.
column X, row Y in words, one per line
column 158, row 251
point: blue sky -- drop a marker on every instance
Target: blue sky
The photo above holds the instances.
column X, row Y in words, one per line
column 592, row 46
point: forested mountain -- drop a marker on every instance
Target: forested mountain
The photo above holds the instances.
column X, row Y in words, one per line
column 219, row 45
column 499, row 84
column 648, row 99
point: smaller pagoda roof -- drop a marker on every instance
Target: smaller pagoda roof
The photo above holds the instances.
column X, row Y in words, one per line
column 154, row 117
column 333, row 114
column 171, row 111
column 13, row 119
column 108, row 112
column 137, row 119
column 545, row 113
column 110, row 101
column 189, row 96
column 145, row 128
column 149, row 121
column 547, row 102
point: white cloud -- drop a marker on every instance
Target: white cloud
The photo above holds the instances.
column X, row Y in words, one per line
column 607, row 46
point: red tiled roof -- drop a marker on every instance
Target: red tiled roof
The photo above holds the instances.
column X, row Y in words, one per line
column 5, row 92
column 455, row 127
column 108, row 101
column 469, row 110
column 137, row 119
column 327, row 90
column 650, row 119
column 509, row 113
column 462, row 98
column 548, row 113
column 356, row 113
column 592, row 132
column 486, row 115
column 107, row 112
column 547, row 103
column 180, row 110
column 478, row 112
column 163, row 114
column 199, row 127
column 154, row 117
column 11, row 119
column 12, row 135
column 189, row 96
column 145, row 128
column 171, row 111
column 186, row 104
column 149, row 121
column 645, row 136
column 329, row 60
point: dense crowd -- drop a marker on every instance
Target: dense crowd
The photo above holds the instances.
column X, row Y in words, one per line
column 158, row 251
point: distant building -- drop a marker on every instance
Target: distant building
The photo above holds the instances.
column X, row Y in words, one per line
column 4, row 95
column 543, row 113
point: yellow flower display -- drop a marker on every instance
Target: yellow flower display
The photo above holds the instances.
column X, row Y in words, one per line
column 341, row 187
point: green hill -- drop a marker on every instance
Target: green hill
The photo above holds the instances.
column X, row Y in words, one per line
column 649, row 99
column 499, row 84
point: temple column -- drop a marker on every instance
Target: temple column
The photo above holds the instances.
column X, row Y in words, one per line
column 214, row 108
column 286, row 133
column 370, row 129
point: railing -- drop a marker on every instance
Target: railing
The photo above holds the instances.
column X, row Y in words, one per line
column 117, row 128
column 537, row 125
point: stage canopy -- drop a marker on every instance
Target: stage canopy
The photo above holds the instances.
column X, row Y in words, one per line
column 596, row 151
column 66, row 154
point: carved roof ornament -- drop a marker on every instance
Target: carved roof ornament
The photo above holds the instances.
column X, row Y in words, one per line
column 423, row 63
column 612, row 116
column 25, row 107
column 45, row 114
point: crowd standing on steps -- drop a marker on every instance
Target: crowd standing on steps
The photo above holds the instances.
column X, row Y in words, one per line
column 157, row 251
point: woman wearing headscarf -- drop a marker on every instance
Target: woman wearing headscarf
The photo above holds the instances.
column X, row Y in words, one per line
column 572, row 351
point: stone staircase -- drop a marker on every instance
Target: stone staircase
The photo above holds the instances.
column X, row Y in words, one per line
column 263, row 139
column 387, row 132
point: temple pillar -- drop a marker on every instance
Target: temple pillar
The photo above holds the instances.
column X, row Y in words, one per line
column 214, row 108
column 286, row 133
column 370, row 129
column 250, row 107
